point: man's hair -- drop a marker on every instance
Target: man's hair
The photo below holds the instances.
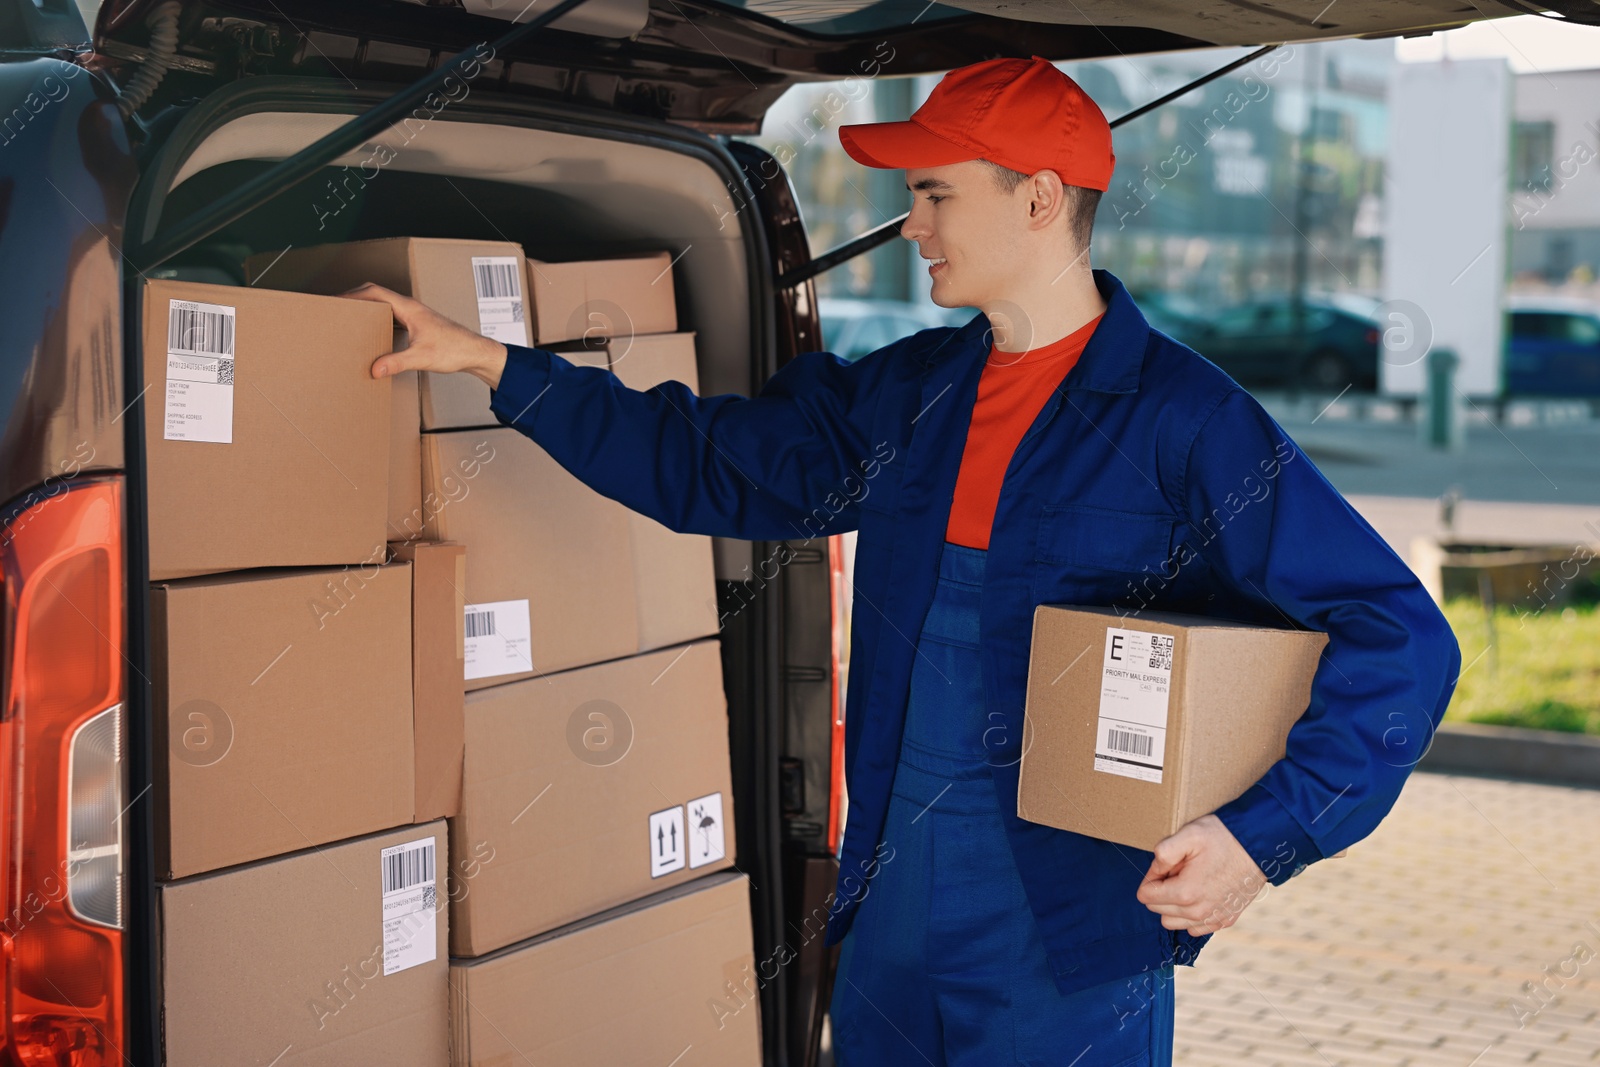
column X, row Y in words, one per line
column 1081, row 201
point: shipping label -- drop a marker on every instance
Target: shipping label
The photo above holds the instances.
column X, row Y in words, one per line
column 498, row 639
column 1135, row 683
column 410, row 905
column 501, row 312
column 199, row 404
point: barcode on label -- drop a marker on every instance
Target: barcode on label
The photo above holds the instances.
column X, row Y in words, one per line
column 496, row 280
column 402, row 870
column 198, row 331
column 1161, row 652
column 480, row 624
column 1123, row 741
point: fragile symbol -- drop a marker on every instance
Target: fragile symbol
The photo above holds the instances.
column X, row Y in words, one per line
column 706, row 824
column 703, row 822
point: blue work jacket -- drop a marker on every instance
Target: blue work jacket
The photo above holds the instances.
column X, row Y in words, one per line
column 1149, row 480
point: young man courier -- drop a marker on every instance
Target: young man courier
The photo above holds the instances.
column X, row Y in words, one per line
column 1053, row 450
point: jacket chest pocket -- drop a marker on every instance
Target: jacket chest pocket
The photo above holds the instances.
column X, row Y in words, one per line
column 880, row 477
column 1090, row 555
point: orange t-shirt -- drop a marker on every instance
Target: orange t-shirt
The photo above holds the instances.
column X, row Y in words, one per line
column 1011, row 392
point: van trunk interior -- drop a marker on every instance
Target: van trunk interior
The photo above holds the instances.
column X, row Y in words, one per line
column 563, row 196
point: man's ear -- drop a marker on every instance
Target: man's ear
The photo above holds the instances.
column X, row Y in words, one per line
column 1046, row 197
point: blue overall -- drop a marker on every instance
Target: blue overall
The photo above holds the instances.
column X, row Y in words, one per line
column 944, row 963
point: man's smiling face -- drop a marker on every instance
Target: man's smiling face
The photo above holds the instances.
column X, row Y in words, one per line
column 960, row 215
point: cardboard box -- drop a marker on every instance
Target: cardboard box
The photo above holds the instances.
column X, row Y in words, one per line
column 438, row 688
column 266, row 433
column 329, row 956
column 551, row 583
column 1165, row 718
column 674, row 575
column 282, row 711
column 589, row 788
column 403, row 516
column 476, row 283
column 638, row 985
column 620, row 297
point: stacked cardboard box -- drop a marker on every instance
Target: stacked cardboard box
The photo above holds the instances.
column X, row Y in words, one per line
column 334, row 956
column 593, row 787
column 596, row 773
column 639, row 984
column 323, row 703
column 564, row 577
column 476, row 283
column 269, row 446
column 602, row 298
column 300, row 719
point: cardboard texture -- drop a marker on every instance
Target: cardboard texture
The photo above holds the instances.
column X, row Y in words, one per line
column 440, row 273
column 283, row 457
column 674, row 574
column 438, row 689
column 1143, row 734
column 568, row 780
column 620, row 297
column 404, row 514
column 638, row 985
column 284, row 962
column 282, row 712
column 552, row 553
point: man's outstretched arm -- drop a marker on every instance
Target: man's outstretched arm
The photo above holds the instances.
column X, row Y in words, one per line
column 777, row 465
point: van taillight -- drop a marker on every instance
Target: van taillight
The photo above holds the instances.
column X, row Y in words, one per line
column 61, row 769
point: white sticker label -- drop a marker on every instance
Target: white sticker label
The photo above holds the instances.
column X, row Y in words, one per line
column 1135, row 683
column 705, row 830
column 666, row 841
column 410, row 906
column 498, row 639
column 199, row 372
column 498, row 280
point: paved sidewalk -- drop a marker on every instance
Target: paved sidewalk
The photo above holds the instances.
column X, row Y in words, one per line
column 1545, row 463
column 1415, row 947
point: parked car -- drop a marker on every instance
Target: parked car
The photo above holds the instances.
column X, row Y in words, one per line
column 1259, row 343
column 852, row 327
column 1553, row 347
column 181, row 136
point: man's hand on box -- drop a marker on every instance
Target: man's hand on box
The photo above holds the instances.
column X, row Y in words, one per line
column 1201, row 878
column 436, row 343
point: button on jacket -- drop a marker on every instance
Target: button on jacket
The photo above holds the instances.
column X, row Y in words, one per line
column 1149, row 481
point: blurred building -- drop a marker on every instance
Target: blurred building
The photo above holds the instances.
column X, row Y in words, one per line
column 1212, row 193
column 1555, row 178
column 1264, row 181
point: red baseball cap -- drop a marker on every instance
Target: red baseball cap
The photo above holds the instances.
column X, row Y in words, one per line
column 1020, row 113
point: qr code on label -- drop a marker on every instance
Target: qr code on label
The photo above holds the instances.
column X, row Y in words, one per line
column 1160, row 652
column 430, row 897
column 224, row 372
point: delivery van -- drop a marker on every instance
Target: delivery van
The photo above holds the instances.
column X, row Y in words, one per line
column 151, row 143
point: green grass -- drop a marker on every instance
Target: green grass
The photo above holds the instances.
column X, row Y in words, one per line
column 1544, row 672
